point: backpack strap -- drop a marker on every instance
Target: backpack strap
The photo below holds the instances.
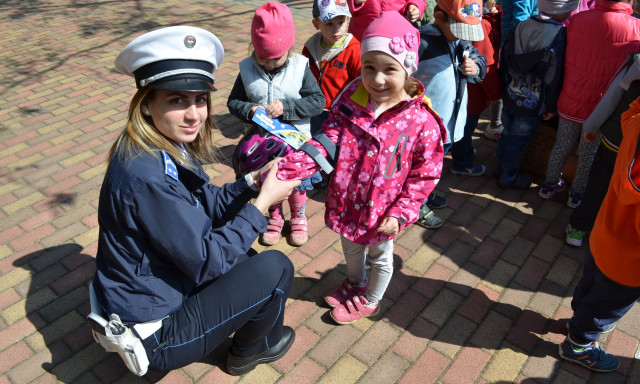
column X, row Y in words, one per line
column 312, row 151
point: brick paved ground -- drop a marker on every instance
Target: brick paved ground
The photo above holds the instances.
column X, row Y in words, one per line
column 484, row 299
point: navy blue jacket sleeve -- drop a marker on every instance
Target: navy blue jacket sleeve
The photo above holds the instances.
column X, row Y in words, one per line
column 183, row 232
column 222, row 203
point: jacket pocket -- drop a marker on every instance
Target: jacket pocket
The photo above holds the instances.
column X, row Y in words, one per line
column 395, row 161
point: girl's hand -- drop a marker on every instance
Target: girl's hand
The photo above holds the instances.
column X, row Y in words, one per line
column 275, row 109
column 273, row 190
column 389, row 226
column 548, row 115
column 253, row 110
column 412, row 14
column 469, row 67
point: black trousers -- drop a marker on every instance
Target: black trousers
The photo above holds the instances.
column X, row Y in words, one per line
column 248, row 300
column 597, row 303
column 584, row 215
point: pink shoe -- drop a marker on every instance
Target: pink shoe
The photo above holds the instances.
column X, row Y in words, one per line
column 343, row 293
column 299, row 234
column 354, row 309
column 272, row 235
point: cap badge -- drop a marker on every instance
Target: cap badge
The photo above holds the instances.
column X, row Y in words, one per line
column 190, row 41
column 471, row 10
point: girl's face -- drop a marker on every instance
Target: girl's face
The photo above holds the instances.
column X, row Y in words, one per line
column 271, row 65
column 177, row 115
column 383, row 77
column 332, row 30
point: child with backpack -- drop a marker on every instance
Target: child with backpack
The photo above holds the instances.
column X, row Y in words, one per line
column 531, row 70
column 280, row 82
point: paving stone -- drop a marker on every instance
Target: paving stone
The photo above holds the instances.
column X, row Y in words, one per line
column 504, row 366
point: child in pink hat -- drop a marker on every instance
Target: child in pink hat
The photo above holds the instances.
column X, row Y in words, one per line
column 280, row 82
column 389, row 160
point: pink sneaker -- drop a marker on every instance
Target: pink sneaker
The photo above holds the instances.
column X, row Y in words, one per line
column 272, row 236
column 299, row 232
column 354, row 309
column 343, row 293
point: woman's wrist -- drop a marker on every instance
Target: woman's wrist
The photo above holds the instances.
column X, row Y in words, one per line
column 253, row 180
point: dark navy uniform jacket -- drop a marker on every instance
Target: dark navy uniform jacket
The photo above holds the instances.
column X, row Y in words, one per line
column 164, row 230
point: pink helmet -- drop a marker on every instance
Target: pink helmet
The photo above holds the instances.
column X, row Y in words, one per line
column 256, row 149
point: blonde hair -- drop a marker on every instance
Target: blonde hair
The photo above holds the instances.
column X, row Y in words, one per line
column 140, row 136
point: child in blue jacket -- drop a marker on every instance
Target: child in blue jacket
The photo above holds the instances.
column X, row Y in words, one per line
column 447, row 61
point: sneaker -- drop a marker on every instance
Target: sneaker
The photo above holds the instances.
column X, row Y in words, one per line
column 354, row 309
column 519, row 182
column 474, row 170
column 299, row 233
column 274, row 229
column 574, row 199
column 548, row 190
column 493, row 133
column 574, row 236
column 344, row 292
column 428, row 219
column 436, row 202
column 593, row 357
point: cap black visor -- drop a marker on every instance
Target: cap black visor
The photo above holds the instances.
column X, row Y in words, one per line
column 183, row 84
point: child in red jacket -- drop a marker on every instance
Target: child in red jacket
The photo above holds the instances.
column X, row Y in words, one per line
column 598, row 43
column 334, row 54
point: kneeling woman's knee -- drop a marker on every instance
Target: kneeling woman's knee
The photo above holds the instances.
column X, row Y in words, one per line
column 275, row 263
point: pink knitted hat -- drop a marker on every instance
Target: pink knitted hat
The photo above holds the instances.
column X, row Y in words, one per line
column 392, row 34
column 272, row 30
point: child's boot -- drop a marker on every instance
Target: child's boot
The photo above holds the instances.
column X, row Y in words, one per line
column 274, row 228
column 298, row 222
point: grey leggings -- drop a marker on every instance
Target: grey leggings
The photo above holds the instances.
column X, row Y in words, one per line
column 380, row 256
column 569, row 133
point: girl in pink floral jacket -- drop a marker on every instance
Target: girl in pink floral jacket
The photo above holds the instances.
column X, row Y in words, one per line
column 389, row 160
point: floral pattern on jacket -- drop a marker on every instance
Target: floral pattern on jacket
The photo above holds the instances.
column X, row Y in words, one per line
column 385, row 167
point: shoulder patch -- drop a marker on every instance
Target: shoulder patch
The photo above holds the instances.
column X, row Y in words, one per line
column 170, row 168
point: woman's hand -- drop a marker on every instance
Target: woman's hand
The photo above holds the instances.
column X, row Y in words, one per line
column 389, row 226
column 273, row 190
column 261, row 173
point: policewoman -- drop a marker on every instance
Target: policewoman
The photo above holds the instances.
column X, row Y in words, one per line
column 172, row 251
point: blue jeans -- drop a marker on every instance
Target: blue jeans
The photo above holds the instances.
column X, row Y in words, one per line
column 462, row 150
column 598, row 302
column 517, row 132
